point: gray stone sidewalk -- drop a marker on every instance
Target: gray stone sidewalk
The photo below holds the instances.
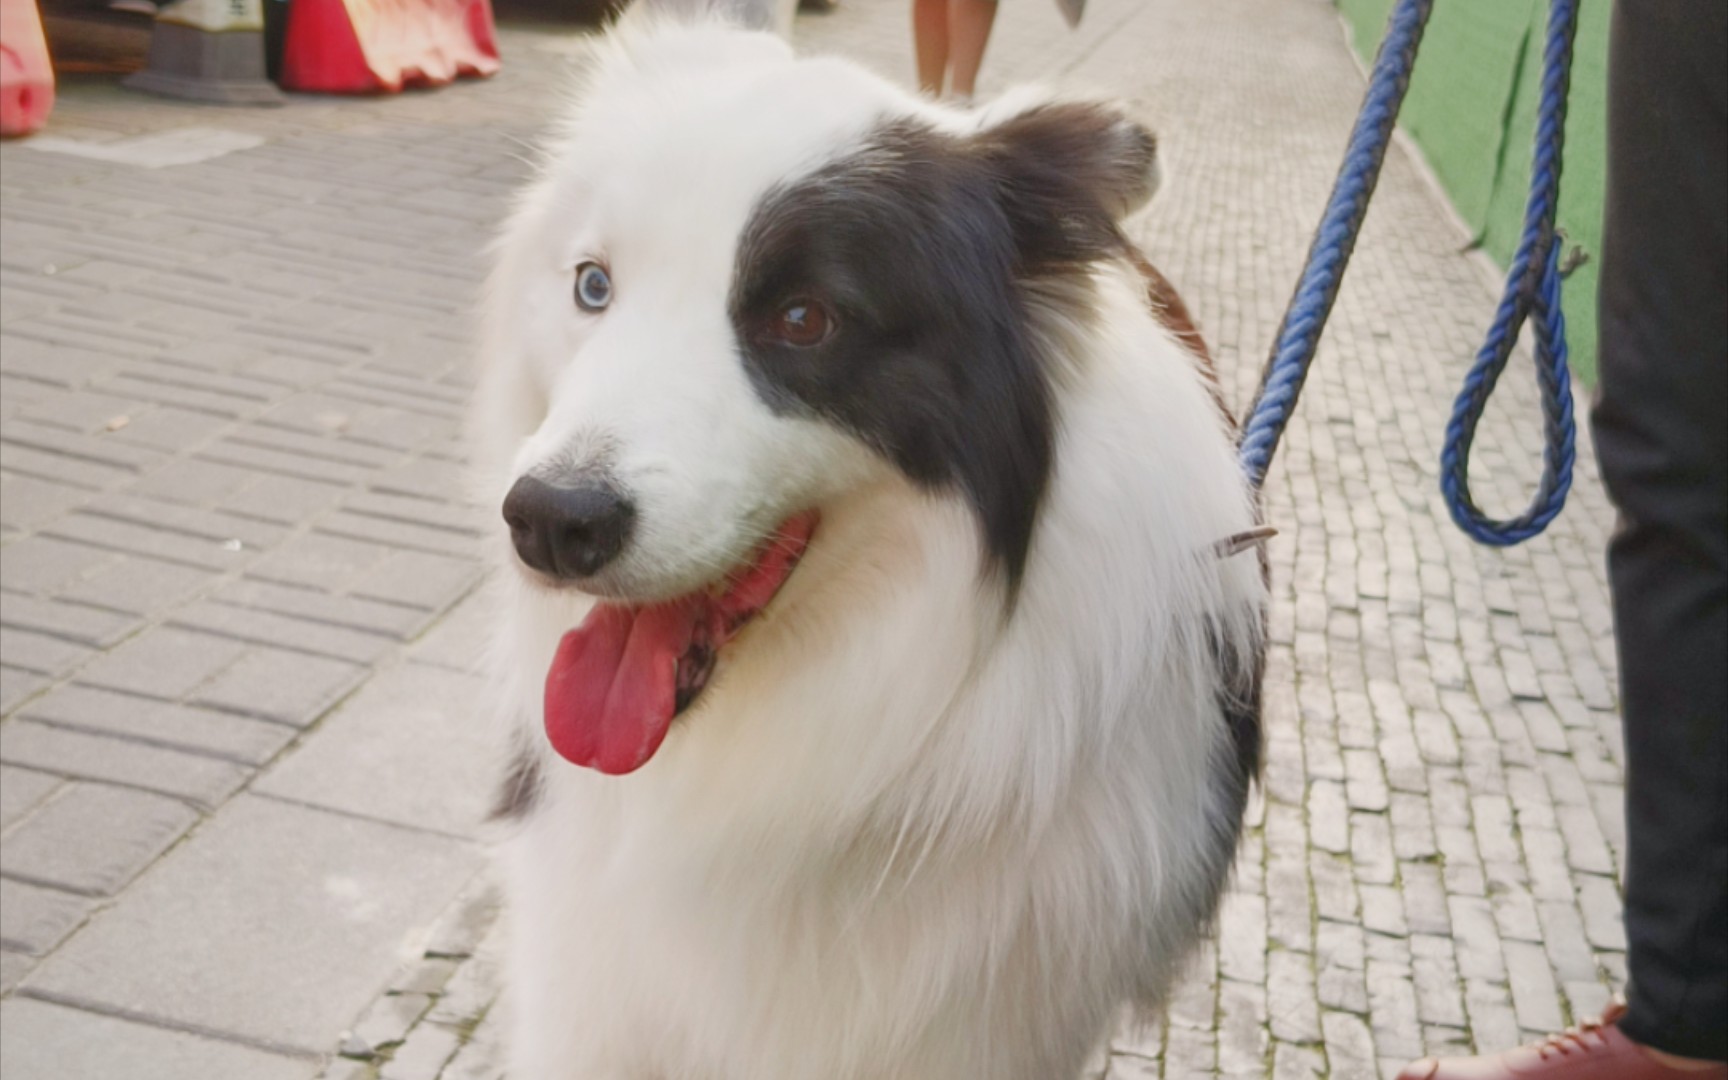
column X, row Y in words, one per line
column 244, row 751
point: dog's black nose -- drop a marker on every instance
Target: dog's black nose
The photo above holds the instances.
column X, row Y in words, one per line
column 567, row 532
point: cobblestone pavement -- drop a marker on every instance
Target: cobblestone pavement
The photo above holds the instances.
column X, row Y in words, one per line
column 243, row 754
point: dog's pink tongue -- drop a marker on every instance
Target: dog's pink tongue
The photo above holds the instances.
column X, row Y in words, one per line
column 613, row 687
column 612, row 690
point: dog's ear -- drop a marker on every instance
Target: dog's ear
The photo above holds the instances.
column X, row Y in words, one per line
column 1068, row 173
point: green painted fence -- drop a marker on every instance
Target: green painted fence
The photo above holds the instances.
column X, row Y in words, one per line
column 1472, row 109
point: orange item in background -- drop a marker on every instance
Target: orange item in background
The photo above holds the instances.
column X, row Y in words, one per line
column 380, row 46
column 26, row 77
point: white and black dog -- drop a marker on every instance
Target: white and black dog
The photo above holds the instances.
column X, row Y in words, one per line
column 883, row 703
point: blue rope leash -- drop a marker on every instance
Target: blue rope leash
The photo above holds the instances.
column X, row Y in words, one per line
column 1532, row 286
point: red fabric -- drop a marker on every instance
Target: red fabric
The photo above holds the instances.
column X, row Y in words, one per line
column 26, row 77
column 380, row 46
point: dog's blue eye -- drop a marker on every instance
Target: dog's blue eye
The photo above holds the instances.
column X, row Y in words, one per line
column 593, row 287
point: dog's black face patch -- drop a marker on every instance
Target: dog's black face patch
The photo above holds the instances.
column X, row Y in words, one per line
column 919, row 250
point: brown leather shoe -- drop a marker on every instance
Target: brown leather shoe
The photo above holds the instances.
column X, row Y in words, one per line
column 1596, row 1050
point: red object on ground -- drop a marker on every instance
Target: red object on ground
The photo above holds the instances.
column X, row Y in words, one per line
column 26, row 77
column 380, row 46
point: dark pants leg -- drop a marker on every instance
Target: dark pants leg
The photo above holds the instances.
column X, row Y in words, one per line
column 1661, row 424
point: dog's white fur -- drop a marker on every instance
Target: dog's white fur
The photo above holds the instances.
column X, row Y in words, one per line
column 907, row 834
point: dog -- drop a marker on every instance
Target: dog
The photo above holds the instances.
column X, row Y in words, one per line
column 881, row 682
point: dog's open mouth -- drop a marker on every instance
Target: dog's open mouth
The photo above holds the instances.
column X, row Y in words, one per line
column 620, row 678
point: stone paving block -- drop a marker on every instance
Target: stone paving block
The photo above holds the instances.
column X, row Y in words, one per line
column 1586, row 850
column 1569, row 953
column 423, row 1055
column 1535, row 997
column 1434, row 969
column 44, row 1040
column 443, row 515
column 31, row 651
column 349, row 1069
column 1371, row 849
column 1545, row 859
column 1383, row 910
column 68, row 457
column 1191, row 1052
column 53, row 364
column 1514, row 907
column 40, row 564
column 431, row 582
column 83, row 411
column 482, row 1056
column 245, row 454
column 1242, row 1039
column 390, row 620
column 1364, row 783
column 133, row 538
column 458, row 639
column 286, row 499
column 170, row 429
column 161, row 723
column 163, row 662
column 1334, row 887
column 1600, row 906
column 281, row 631
column 1291, row 1062
column 34, row 919
column 317, row 561
column 336, row 893
column 397, row 534
column 93, row 838
column 1349, row 1047
column 285, row 687
column 1242, row 937
column 201, row 780
column 194, row 482
column 140, row 586
column 382, row 732
column 1291, row 1003
column 230, row 532
column 1328, row 817
column 469, row 921
column 321, row 447
column 385, row 1024
column 1340, row 963
column 18, row 686
column 1392, row 1010
column 13, row 967
column 21, row 791
column 1588, row 999
column 78, row 623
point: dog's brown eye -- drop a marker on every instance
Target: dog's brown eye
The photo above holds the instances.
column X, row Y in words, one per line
column 803, row 323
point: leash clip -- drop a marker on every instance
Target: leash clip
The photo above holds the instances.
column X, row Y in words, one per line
column 1242, row 541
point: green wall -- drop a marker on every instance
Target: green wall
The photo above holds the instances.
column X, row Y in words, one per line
column 1472, row 108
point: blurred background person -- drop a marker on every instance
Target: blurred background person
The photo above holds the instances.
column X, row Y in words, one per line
column 948, row 37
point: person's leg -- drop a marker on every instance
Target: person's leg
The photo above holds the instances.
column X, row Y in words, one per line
column 1661, row 425
column 930, row 43
column 969, row 23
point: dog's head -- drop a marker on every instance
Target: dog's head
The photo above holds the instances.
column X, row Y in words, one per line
column 743, row 285
column 742, row 282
